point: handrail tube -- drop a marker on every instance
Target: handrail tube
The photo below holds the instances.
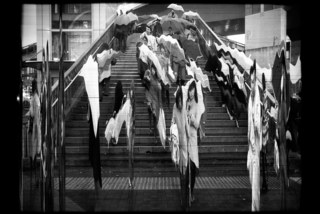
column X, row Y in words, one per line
column 210, row 30
column 74, row 86
column 77, row 62
column 73, row 79
column 219, row 39
column 272, row 99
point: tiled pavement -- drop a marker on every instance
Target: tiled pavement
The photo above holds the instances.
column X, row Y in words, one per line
column 163, row 194
column 163, row 183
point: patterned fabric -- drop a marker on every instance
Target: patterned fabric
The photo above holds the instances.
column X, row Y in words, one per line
column 89, row 72
column 254, row 120
column 192, row 108
column 153, row 94
column 152, row 43
column 124, row 115
column 254, row 176
column 197, row 109
column 109, row 130
column 255, row 143
column 174, row 143
column 295, row 71
column 146, row 53
column 180, row 118
column 171, row 74
column 162, row 127
column 203, row 78
column 35, row 145
column 164, row 72
column 104, row 63
column 114, row 125
column 276, row 163
column 265, row 121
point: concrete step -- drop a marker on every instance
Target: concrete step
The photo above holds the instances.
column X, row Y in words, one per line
column 141, row 91
column 213, row 85
column 139, row 148
column 142, row 101
column 235, row 140
column 145, row 117
column 118, row 76
column 211, row 116
column 129, row 64
column 144, row 153
column 145, row 124
column 131, row 58
column 126, row 83
column 114, row 152
column 149, row 159
column 223, row 151
column 117, row 72
column 76, row 131
column 158, row 168
column 139, row 88
column 141, row 98
column 143, row 109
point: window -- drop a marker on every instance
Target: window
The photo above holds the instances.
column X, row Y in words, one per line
column 75, row 44
column 268, row 7
column 74, row 16
column 255, row 8
column 76, row 30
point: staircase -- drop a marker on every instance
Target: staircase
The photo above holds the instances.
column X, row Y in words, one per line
column 222, row 152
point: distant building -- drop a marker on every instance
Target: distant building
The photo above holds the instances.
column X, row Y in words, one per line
column 81, row 25
column 266, row 26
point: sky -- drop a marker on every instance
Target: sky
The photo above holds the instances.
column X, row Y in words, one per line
column 238, row 38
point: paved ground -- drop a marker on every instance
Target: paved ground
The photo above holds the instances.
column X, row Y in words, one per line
column 231, row 193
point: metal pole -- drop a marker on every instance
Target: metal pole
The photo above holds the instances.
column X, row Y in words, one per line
column 132, row 132
column 43, row 128
column 48, row 189
column 131, row 147
column 60, row 121
column 22, row 145
column 189, row 171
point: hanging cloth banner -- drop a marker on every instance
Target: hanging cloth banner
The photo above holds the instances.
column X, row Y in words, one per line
column 90, row 74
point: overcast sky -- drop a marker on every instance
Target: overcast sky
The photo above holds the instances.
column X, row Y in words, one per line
column 238, row 38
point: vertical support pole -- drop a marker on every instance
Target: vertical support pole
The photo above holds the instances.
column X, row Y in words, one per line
column 60, row 121
column 131, row 147
column 49, row 160
column 20, row 104
column 43, row 128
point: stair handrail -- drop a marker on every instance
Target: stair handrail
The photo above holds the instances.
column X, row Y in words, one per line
column 72, row 73
column 207, row 34
column 200, row 21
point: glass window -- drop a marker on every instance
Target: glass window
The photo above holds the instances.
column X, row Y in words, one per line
column 75, row 44
column 268, row 7
column 275, row 6
column 255, row 8
column 74, row 16
column 248, row 9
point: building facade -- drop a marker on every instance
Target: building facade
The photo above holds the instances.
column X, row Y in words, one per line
column 266, row 26
column 81, row 25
